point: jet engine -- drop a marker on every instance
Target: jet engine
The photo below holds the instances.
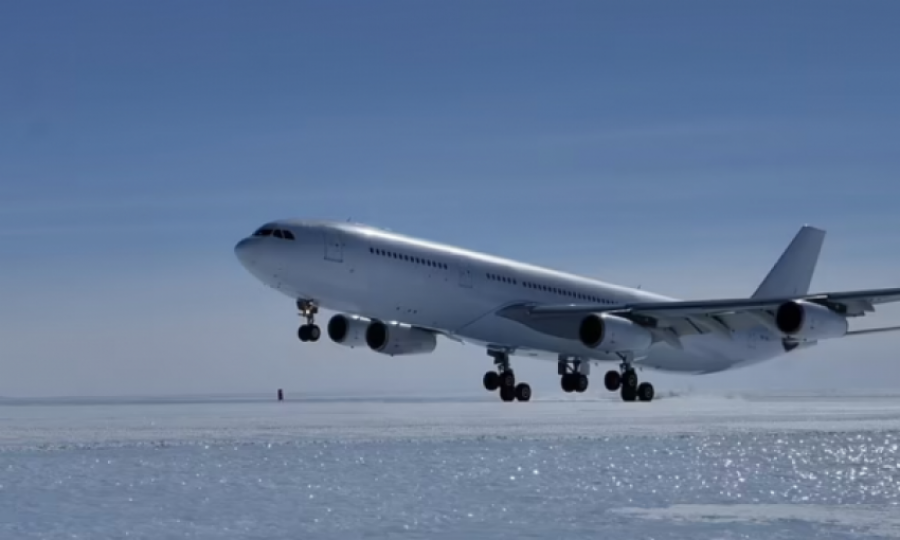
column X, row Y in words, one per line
column 612, row 333
column 347, row 330
column 808, row 321
column 397, row 339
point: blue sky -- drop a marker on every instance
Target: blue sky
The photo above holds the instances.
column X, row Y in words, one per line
column 673, row 145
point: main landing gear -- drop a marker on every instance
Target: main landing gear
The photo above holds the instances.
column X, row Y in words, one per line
column 309, row 331
column 573, row 374
column 626, row 382
column 505, row 379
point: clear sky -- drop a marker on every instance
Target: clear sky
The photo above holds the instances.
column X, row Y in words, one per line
column 672, row 145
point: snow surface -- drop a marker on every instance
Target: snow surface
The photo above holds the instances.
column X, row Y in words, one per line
column 587, row 466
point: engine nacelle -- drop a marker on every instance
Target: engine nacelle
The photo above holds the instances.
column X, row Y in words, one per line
column 396, row 339
column 347, row 330
column 808, row 321
column 612, row 333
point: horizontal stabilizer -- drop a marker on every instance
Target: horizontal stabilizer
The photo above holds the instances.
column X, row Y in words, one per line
column 873, row 330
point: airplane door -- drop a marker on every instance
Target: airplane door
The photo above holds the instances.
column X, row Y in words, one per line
column 334, row 246
column 465, row 277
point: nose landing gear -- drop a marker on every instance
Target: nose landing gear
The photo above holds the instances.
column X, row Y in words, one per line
column 309, row 331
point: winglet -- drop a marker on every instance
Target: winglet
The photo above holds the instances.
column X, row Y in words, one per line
column 792, row 274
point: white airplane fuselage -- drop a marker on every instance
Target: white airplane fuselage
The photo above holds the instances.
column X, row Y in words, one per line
column 365, row 271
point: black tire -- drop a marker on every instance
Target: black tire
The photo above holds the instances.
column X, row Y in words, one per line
column 303, row 333
column 630, row 379
column 508, row 380
column 645, row 391
column 523, row 392
column 565, row 382
column 507, row 393
column 580, row 382
column 628, row 393
column 612, row 380
column 491, row 381
column 314, row 333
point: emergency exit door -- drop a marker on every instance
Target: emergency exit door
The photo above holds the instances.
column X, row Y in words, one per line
column 334, row 246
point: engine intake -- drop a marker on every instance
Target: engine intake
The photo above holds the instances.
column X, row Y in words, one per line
column 397, row 339
column 348, row 331
column 612, row 333
column 808, row 321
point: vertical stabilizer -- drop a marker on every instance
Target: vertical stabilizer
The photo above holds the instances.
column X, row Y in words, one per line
column 792, row 274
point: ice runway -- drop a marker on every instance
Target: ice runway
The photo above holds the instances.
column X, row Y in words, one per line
column 691, row 466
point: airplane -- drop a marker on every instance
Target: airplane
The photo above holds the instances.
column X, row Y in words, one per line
column 396, row 295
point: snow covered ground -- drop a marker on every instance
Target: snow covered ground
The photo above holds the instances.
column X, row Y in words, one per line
column 590, row 466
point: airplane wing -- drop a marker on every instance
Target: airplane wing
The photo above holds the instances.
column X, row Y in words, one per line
column 671, row 320
column 849, row 303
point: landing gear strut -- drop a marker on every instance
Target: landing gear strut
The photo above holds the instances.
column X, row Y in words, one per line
column 309, row 331
column 504, row 379
column 573, row 374
column 626, row 382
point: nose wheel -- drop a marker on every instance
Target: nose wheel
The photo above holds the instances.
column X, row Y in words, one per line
column 309, row 331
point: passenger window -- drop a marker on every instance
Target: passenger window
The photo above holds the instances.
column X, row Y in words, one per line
column 277, row 234
column 288, row 235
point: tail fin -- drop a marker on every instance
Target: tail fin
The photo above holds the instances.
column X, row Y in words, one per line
column 793, row 272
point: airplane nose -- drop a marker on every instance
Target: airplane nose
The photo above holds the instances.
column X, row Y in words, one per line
column 242, row 251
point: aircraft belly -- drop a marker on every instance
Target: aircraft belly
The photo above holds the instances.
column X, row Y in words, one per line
column 711, row 353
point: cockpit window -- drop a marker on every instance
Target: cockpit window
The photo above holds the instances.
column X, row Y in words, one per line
column 277, row 233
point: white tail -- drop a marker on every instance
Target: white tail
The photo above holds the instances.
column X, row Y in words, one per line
column 793, row 273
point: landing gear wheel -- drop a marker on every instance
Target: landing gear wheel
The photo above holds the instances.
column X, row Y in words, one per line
column 523, row 392
column 491, row 381
column 508, row 380
column 314, row 332
column 630, row 379
column 628, row 393
column 645, row 391
column 566, row 383
column 612, row 380
column 507, row 393
column 579, row 382
column 309, row 332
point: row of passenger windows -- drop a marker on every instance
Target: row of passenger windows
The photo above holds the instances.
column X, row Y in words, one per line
column 547, row 288
column 408, row 258
column 503, row 279
column 492, row 277
column 564, row 292
column 277, row 233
